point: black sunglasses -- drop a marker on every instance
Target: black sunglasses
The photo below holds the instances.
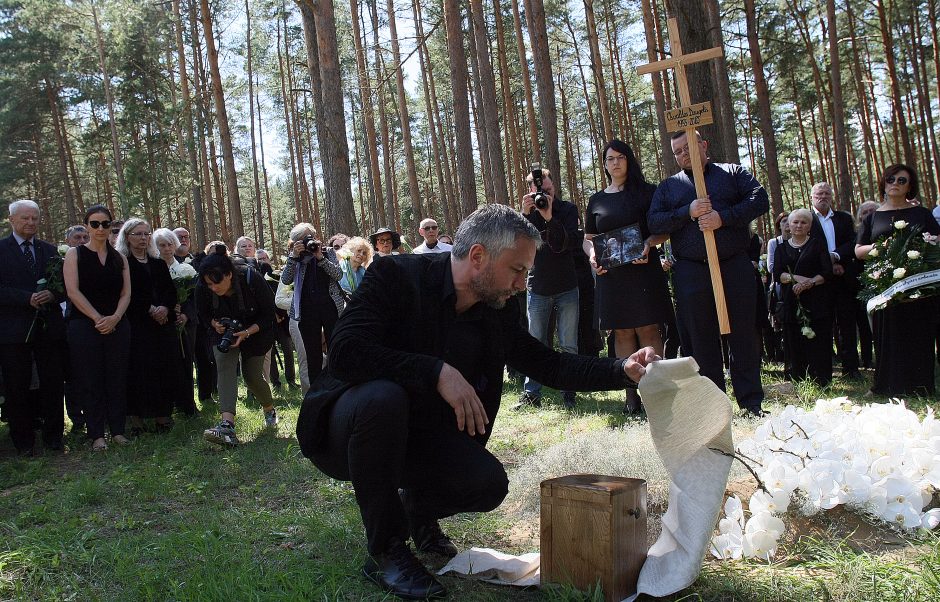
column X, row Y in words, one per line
column 96, row 224
column 900, row 180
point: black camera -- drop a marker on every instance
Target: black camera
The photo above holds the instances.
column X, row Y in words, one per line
column 228, row 337
column 541, row 199
column 311, row 244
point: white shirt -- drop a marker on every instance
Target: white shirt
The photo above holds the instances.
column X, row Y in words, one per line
column 828, row 229
column 440, row 247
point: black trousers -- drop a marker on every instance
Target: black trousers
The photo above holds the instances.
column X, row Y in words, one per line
column 374, row 443
column 99, row 371
column 845, row 307
column 310, row 327
column 282, row 339
column 810, row 358
column 17, row 360
column 695, row 303
column 206, row 377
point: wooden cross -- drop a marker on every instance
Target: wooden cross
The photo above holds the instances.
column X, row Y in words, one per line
column 686, row 117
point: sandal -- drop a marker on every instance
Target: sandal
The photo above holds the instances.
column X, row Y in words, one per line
column 121, row 440
column 99, row 445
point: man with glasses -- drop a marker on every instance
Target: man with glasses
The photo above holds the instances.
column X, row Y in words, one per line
column 837, row 228
column 31, row 330
column 429, row 230
column 182, row 252
column 735, row 198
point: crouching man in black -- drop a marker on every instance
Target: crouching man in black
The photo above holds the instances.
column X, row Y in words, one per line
column 436, row 334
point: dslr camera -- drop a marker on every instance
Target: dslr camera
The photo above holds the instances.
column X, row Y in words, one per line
column 541, row 199
column 228, row 337
column 311, row 244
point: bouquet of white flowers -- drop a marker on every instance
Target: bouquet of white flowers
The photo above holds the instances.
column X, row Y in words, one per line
column 904, row 265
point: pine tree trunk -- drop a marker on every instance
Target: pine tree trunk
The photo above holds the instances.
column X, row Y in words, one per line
column 534, row 147
column 597, row 68
column 225, row 135
column 838, row 114
column 405, row 118
column 765, row 121
column 548, row 115
column 331, row 126
column 513, row 142
column 259, row 225
column 109, row 99
column 892, row 73
column 466, row 179
column 387, row 166
column 51, row 95
column 490, row 106
column 267, row 190
column 478, row 115
column 725, row 113
column 596, row 143
column 652, row 55
column 288, row 126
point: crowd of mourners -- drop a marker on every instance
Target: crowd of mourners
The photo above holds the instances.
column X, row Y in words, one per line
column 130, row 325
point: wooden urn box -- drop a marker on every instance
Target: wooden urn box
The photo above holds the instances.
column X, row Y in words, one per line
column 593, row 529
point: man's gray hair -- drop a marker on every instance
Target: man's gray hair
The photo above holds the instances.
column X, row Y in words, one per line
column 73, row 229
column 22, row 204
column 821, row 186
column 302, row 229
column 494, row 226
column 166, row 235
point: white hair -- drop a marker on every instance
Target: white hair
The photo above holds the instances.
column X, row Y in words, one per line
column 21, row 204
column 302, row 229
column 121, row 244
column 165, row 235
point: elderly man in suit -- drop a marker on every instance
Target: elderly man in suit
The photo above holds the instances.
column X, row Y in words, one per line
column 837, row 228
column 31, row 330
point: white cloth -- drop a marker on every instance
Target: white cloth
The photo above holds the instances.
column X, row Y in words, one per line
column 688, row 415
column 496, row 567
column 440, row 247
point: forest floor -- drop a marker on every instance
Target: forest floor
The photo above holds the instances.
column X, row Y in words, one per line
column 171, row 517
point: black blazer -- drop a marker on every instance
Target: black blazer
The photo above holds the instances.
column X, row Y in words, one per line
column 396, row 326
column 844, row 225
column 17, row 285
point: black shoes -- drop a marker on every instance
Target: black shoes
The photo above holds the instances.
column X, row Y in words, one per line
column 528, row 400
column 398, row 571
column 632, row 406
column 569, row 399
column 429, row 539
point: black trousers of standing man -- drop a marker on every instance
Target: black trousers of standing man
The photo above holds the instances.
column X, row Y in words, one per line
column 382, row 440
column 17, row 362
column 696, row 304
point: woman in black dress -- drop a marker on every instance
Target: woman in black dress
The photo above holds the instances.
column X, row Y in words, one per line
column 903, row 332
column 631, row 299
column 801, row 268
column 98, row 284
column 154, row 346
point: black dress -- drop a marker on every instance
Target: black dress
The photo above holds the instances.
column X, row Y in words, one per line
column 627, row 296
column 803, row 356
column 155, row 353
column 903, row 332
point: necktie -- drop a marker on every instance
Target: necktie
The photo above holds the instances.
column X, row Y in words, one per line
column 28, row 254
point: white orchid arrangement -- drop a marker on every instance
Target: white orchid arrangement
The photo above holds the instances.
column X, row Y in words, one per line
column 880, row 460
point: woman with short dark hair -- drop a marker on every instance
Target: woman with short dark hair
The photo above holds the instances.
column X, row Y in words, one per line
column 237, row 305
column 97, row 280
column 903, row 332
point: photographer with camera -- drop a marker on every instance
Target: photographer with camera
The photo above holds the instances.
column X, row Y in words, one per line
column 238, row 306
column 313, row 270
column 552, row 282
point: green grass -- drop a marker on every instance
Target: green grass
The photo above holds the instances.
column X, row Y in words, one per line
column 171, row 517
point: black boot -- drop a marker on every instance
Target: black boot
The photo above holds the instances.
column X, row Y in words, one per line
column 632, row 405
column 400, row 573
column 430, row 539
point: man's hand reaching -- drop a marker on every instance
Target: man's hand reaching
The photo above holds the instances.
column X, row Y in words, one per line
column 635, row 366
column 457, row 392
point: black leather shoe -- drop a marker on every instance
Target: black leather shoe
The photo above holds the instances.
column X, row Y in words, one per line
column 430, row 539
column 398, row 571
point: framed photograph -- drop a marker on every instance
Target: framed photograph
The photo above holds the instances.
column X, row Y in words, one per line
column 618, row 247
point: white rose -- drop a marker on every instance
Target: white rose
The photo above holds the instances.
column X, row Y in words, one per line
column 899, row 273
column 62, row 249
column 900, row 224
column 808, row 332
column 873, row 252
column 785, row 278
column 913, row 254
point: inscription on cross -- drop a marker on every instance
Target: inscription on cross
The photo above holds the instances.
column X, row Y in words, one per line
column 686, row 117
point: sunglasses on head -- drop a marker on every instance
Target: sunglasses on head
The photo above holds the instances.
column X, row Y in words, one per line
column 900, row 180
column 103, row 225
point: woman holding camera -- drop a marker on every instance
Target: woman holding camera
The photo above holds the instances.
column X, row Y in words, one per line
column 238, row 306
column 313, row 270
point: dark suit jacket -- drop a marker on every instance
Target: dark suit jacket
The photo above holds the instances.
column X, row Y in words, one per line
column 17, row 285
column 844, row 225
column 396, row 327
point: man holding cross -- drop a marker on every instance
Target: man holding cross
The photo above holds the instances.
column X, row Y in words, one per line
column 735, row 198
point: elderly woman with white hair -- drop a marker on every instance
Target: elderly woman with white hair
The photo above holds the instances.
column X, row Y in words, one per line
column 802, row 267
column 355, row 257
column 313, row 270
column 154, row 347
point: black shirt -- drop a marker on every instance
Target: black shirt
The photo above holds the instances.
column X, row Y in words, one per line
column 735, row 194
column 553, row 270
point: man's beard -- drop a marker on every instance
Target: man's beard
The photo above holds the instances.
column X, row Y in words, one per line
column 483, row 286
